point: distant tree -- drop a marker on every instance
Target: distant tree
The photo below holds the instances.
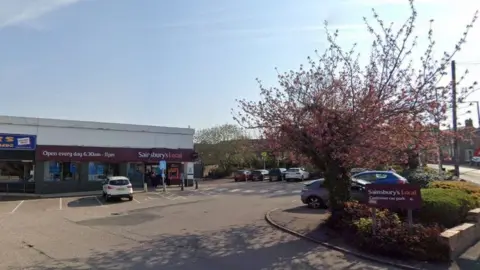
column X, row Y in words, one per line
column 218, row 134
column 338, row 113
column 225, row 145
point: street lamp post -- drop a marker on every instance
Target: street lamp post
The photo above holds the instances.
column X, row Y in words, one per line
column 454, row 121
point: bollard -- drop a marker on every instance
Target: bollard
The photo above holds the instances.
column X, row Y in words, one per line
column 183, row 182
column 164, row 184
column 196, row 183
column 145, row 187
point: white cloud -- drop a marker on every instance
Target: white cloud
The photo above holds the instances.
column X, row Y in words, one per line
column 23, row 12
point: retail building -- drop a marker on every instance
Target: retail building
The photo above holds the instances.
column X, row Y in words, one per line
column 52, row 156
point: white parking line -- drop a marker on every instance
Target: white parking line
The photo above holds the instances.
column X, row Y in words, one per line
column 263, row 191
column 99, row 202
column 234, row 190
column 249, row 191
column 280, row 191
column 296, row 191
column 136, row 200
column 60, row 205
column 16, row 207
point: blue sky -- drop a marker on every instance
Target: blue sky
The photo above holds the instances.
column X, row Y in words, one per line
column 183, row 62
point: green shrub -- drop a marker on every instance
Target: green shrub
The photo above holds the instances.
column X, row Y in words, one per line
column 447, row 207
column 424, row 176
column 468, row 187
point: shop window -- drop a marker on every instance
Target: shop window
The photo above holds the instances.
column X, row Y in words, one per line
column 16, row 171
column 61, row 171
column 98, row 171
column 135, row 170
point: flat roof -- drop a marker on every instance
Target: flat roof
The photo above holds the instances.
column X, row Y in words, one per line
column 48, row 122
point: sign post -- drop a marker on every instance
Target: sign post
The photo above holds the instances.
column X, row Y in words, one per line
column 163, row 167
column 392, row 196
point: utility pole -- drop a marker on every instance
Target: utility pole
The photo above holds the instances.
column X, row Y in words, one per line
column 454, row 117
column 438, row 125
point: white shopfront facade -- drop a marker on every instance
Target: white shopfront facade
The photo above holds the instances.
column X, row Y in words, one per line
column 74, row 155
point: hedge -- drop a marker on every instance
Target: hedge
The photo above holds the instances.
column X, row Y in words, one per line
column 446, row 207
column 468, row 187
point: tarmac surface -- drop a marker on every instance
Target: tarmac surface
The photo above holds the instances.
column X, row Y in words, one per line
column 219, row 226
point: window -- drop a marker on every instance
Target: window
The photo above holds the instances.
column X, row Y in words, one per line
column 99, row 171
column 381, row 176
column 60, row 171
column 120, row 182
column 16, row 171
column 370, row 177
column 468, row 154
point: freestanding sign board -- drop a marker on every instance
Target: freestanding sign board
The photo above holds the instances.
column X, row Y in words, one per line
column 396, row 196
column 190, row 170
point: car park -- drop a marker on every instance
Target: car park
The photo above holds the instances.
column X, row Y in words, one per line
column 241, row 175
column 260, row 175
column 316, row 195
column 277, row 174
column 117, row 187
column 296, row 174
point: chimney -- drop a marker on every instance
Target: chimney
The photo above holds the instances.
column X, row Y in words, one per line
column 469, row 122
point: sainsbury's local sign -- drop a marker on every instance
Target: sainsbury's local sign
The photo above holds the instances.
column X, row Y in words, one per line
column 110, row 154
column 400, row 196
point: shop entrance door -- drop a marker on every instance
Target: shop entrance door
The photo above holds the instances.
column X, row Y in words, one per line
column 152, row 174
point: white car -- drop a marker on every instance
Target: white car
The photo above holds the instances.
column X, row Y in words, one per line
column 298, row 174
column 475, row 161
column 117, row 187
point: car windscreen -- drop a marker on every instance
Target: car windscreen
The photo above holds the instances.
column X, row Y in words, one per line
column 257, row 172
column 121, row 182
column 292, row 170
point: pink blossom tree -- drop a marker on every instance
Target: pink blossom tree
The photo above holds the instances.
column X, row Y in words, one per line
column 337, row 114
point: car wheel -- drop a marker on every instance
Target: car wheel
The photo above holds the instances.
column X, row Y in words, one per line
column 104, row 194
column 315, row 202
column 303, row 178
column 107, row 198
column 130, row 198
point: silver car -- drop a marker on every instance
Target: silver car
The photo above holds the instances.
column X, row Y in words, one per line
column 315, row 194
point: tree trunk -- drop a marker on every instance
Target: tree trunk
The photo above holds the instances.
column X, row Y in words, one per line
column 338, row 181
column 413, row 160
column 440, row 159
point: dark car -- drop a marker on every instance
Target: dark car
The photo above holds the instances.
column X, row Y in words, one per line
column 259, row 175
column 241, row 175
column 277, row 174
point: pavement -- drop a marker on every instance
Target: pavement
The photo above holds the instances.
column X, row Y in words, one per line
column 218, row 226
column 467, row 173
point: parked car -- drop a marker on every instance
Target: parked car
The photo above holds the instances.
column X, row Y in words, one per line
column 241, row 175
column 277, row 174
column 117, row 187
column 475, row 161
column 315, row 194
column 259, row 175
column 381, row 177
column 297, row 174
